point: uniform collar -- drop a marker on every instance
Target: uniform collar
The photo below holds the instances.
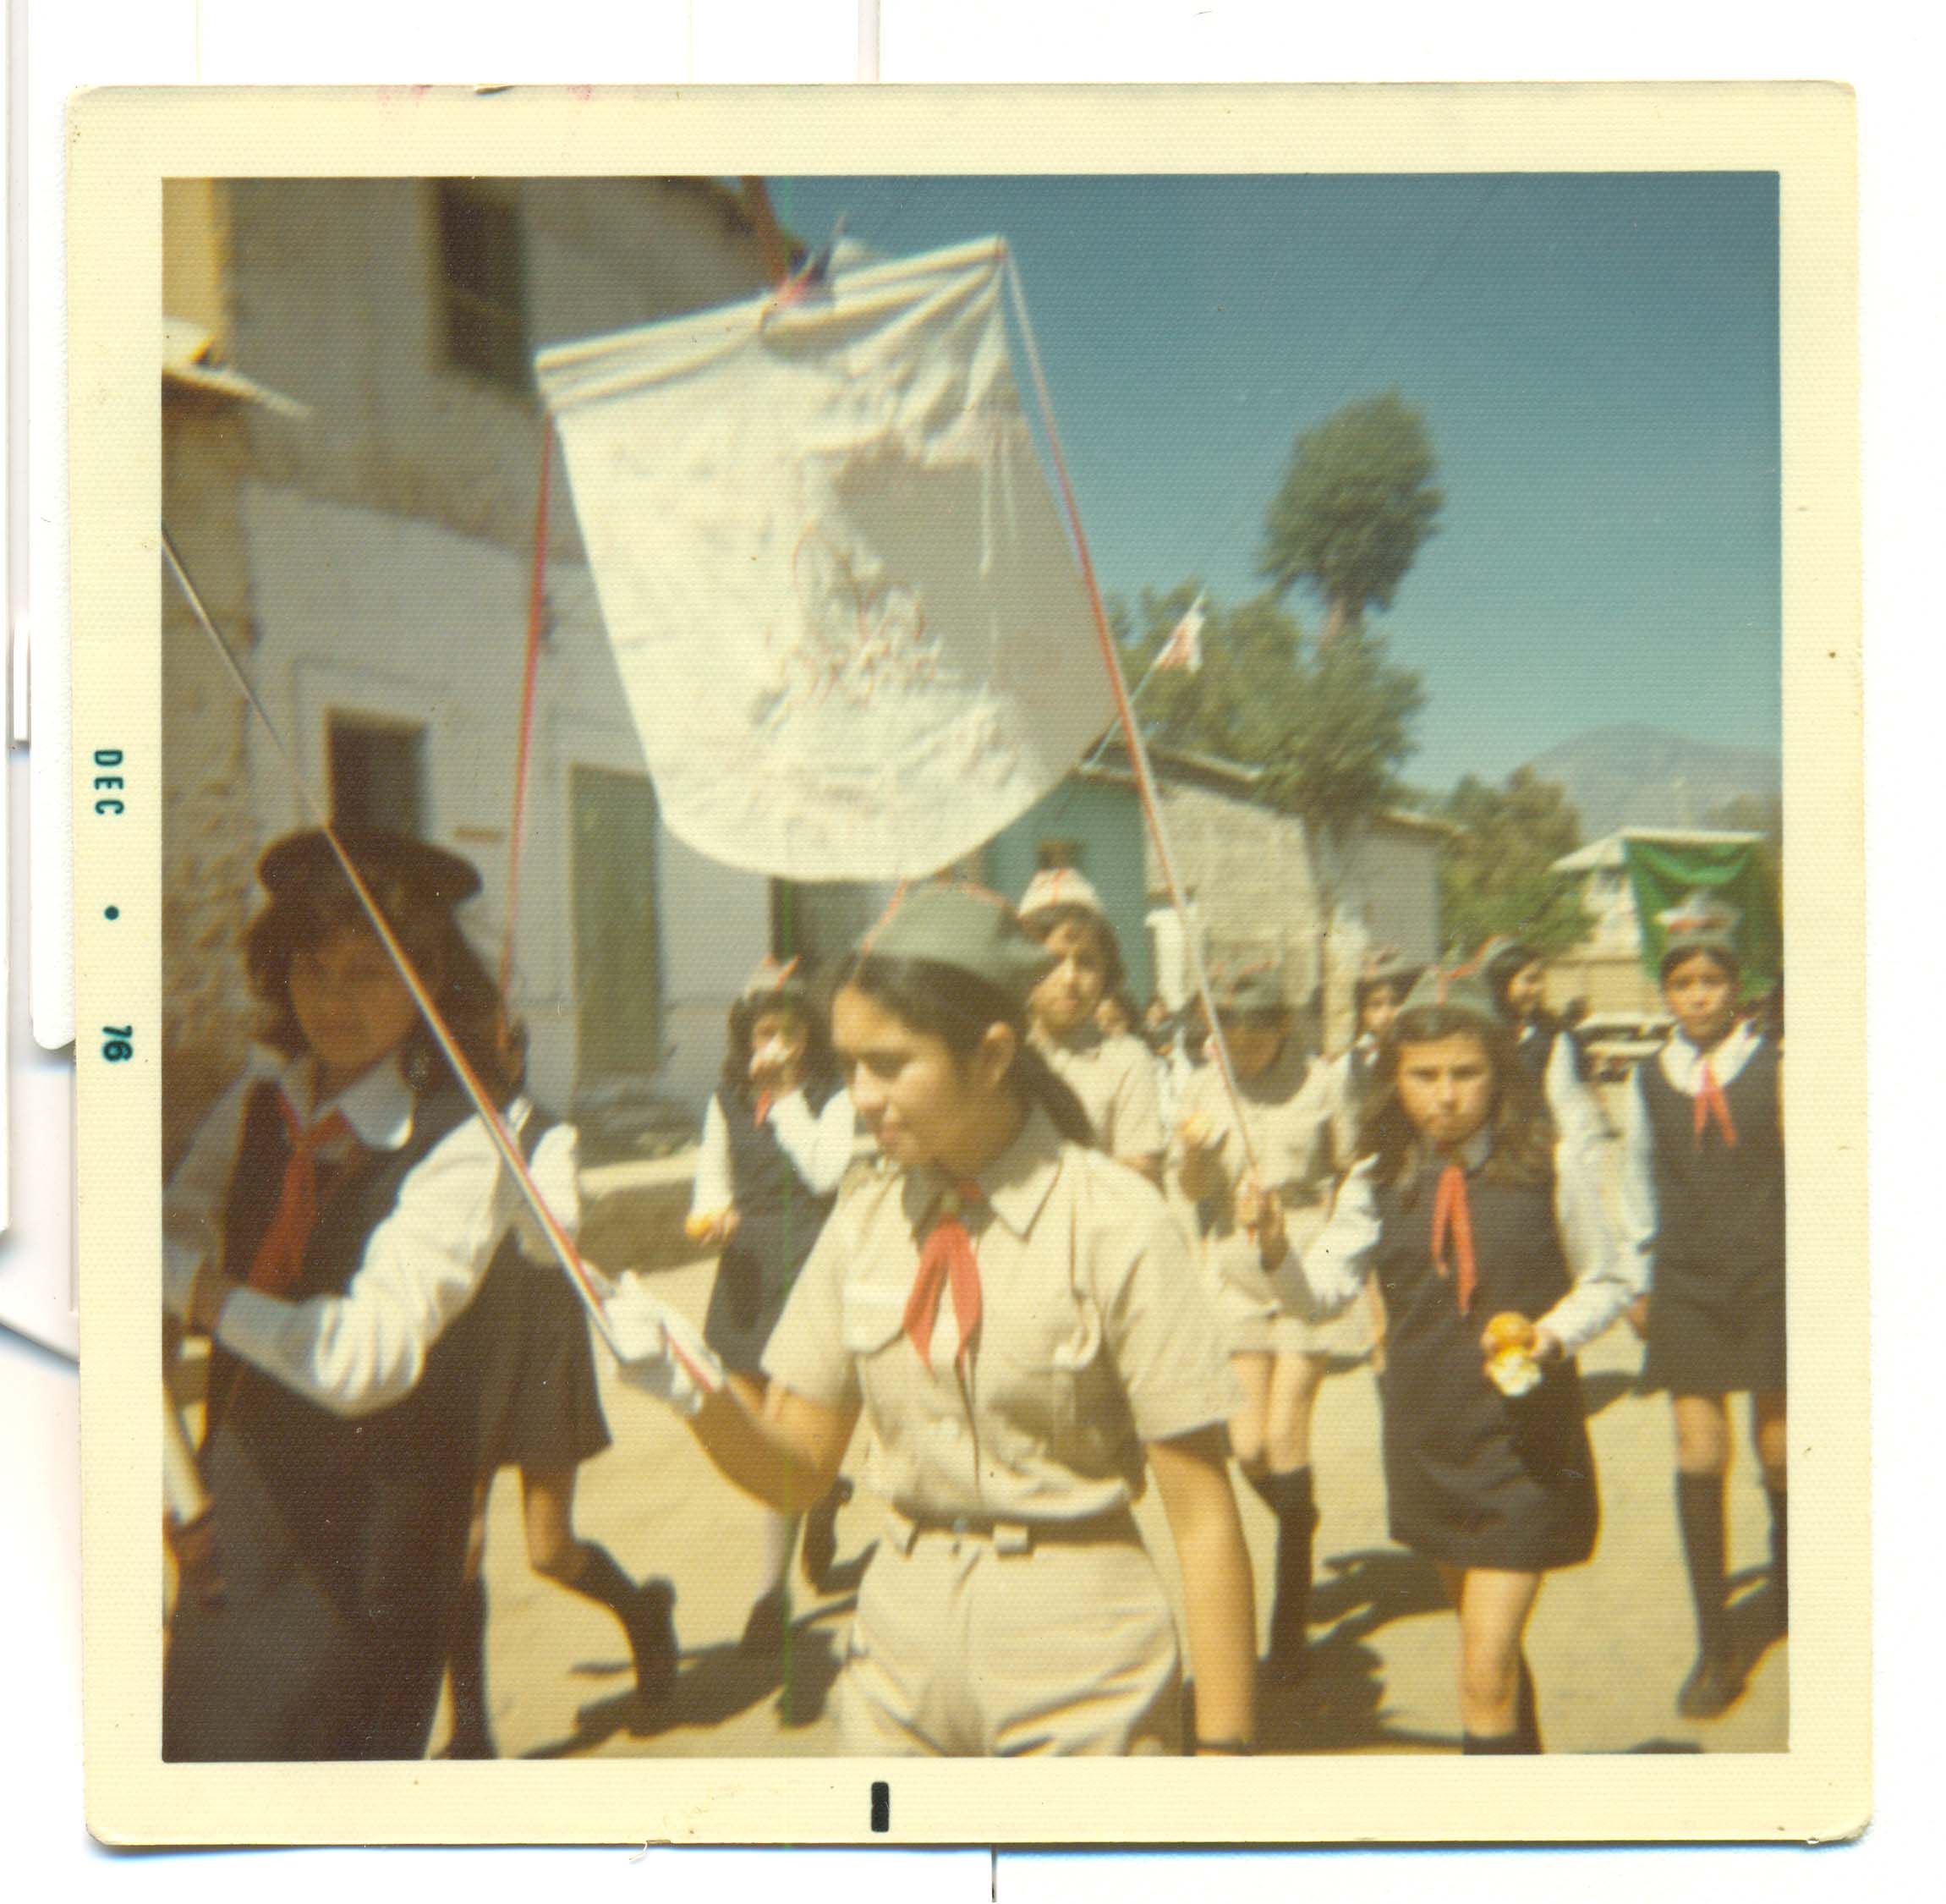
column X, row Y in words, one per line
column 1681, row 1061
column 1014, row 1184
column 378, row 1106
column 1469, row 1156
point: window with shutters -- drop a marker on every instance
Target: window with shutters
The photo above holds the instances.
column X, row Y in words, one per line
column 483, row 280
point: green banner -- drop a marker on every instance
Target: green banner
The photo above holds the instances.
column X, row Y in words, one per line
column 1663, row 875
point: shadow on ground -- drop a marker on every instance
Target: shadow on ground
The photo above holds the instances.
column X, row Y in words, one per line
column 718, row 1682
column 1338, row 1705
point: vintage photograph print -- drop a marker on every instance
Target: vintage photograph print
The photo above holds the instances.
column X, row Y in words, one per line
column 919, row 948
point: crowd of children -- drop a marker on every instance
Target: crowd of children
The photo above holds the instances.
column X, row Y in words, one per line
column 1086, row 1247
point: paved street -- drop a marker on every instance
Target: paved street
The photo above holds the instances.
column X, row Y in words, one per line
column 1611, row 1641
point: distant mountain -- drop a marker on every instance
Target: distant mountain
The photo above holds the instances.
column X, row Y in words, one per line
column 1644, row 776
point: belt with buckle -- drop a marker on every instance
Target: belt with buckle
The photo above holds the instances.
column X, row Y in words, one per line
column 1021, row 1537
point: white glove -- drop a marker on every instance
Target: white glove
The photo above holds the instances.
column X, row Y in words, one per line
column 659, row 1350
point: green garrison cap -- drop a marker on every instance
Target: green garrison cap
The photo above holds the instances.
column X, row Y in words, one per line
column 966, row 928
column 1254, row 991
column 1464, row 992
column 398, row 867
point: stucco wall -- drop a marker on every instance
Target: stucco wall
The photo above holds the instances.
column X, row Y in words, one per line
column 208, row 841
column 337, row 302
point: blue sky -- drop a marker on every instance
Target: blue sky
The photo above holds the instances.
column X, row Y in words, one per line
column 1595, row 357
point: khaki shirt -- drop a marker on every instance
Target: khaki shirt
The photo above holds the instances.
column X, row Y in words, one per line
column 1095, row 1336
column 1287, row 1114
column 1113, row 1076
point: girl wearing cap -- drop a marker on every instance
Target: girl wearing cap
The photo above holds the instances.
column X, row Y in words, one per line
column 1488, row 1239
column 777, row 1139
column 1018, row 1320
column 1112, row 1072
column 328, row 1223
column 1702, row 1193
column 1280, row 1360
column 1516, row 979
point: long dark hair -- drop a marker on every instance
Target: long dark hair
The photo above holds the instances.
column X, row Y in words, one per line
column 1523, row 1131
column 944, row 1002
column 820, row 1061
column 460, row 985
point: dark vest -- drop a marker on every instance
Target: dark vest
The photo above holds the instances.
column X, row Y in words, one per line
column 778, row 1218
column 368, row 1501
column 1516, row 1248
column 1536, row 1049
column 1719, row 1207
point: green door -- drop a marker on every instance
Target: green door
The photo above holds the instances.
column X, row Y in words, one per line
column 617, row 953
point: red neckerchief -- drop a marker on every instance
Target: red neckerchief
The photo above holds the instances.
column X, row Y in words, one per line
column 1450, row 1215
column 1710, row 1102
column 946, row 1257
column 763, row 1108
column 277, row 1267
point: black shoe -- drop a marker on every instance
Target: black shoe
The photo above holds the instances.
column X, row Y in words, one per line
column 820, row 1552
column 651, row 1624
column 764, row 1630
column 1713, row 1686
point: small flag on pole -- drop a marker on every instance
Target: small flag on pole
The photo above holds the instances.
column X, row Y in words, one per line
column 1184, row 647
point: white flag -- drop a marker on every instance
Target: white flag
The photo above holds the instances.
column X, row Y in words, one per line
column 1184, row 647
column 847, row 620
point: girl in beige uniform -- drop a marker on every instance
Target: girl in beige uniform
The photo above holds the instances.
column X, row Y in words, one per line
column 1280, row 1359
column 1019, row 1319
column 1112, row 1073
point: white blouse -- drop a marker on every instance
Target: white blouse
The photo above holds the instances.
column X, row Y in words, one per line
column 1604, row 1275
column 362, row 1351
column 819, row 1144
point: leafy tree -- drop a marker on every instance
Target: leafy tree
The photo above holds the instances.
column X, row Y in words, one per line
column 1358, row 500
column 1494, row 877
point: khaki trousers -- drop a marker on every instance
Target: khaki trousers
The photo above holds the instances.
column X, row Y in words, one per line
column 991, row 1644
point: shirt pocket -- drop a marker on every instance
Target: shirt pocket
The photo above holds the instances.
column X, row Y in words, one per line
column 1043, row 1374
column 872, row 1325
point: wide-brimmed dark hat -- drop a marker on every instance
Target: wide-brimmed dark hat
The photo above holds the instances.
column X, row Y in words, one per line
column 399, row 870
column 966, row 928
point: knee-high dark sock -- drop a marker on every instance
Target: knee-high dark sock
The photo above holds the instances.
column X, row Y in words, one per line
column 1528, row 1711
column 1699, row 1509
column 1291, row 1499
column 466, row 1669
column 644, row 1612
column 1780, row 1546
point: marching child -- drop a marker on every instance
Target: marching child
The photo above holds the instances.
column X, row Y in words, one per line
column 1488, row 1239
column 325, row 1227
column 1703, row 1194
column 1018, row 1319
column 1111, row 1074
column 777, row 1138
column 1516, row 977
column 1280, row 1359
